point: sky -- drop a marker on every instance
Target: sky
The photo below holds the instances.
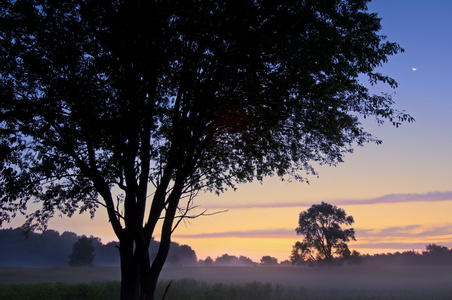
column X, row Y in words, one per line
column 399, row 193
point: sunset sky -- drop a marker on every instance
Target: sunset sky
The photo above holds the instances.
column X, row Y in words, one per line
column 399, row 193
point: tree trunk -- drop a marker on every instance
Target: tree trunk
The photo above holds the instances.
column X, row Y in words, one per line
column 138, row 276
column 150, row 275
column 130, row 272
column 138, row 279
column 138, row 282
column 130, row 283
column 148, row 284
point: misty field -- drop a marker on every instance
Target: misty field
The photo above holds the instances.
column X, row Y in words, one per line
column 358, row 282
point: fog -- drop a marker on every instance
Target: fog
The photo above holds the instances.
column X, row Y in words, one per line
column 400, row 275
column 379, row 281
column 405, row 275
column 342, row 282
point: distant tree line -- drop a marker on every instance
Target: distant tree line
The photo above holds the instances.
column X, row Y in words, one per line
column 50, row 249
column 433, row 254
column 232, row 260
column 37, row 250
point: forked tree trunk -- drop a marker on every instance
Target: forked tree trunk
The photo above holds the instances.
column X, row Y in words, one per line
column 130, row 283
column 130, row 272
column 151, row 276
column 136, row 283
column 138, row 280
column 138, row 277
column 148, row 276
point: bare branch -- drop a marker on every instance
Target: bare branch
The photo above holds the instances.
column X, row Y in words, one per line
column 185, row 216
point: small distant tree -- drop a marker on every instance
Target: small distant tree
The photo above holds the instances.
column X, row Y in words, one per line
column 227, row 259
column 243, row 260
column 269, row 260
column 187, row 256
column 208, row 261
column 353, row 258
column 82, row 253
column 285, row 263
column 436, row 250
column 324, row 239
column 437, row 254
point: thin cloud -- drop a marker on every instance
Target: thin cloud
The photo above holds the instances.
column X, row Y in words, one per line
column 402, row 198
column 395, row 245
column 260, row 233
column 388, row 199
column 410, row 231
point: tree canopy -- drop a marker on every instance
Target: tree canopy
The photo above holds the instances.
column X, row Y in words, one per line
column 135, row 105
column 82, row 254
column 268, row 260
column 324, row 238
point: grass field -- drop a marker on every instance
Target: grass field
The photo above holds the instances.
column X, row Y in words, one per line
column 359, row 282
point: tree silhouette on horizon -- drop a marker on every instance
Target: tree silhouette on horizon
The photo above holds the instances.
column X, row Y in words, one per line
column 83, row 253
column 323, row 236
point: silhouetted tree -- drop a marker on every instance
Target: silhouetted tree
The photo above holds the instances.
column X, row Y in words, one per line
column 116, row 103
column 436, row 250
column 226, row 260
column 352, row 258
column 437, row 254
column 323, row 236
column 106, row 255
column 82, row 253
column 185, row 253
column 179, row 254
column 285, row 263
column 245, row 261
column 208, row 261
column 269, row 260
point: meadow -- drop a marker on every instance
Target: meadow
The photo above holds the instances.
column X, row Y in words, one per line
column 259, row 282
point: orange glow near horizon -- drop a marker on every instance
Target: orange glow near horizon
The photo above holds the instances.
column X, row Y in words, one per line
column 259, row 231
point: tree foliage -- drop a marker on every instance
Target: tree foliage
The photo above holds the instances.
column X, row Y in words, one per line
column 227, row 260
column 268, row 260
column 82, row 253
column 120, row 103
column 208, row 261
column 434, row 254
column 324, row 239
column 436, row 250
